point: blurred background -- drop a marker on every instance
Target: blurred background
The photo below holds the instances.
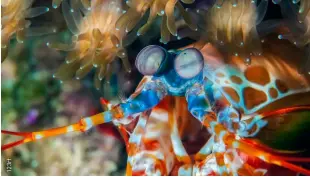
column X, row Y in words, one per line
column 32, row 100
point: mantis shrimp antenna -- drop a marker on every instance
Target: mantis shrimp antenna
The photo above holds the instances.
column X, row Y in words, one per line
column 163, row 8
column 231, row 26
column 13, row 21
column 95, row 43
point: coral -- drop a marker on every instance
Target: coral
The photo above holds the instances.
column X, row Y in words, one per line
column 231, row 26
column 42, row 159
column 13, row 21
column 75, row 151
column 164, row 8
column 95, row 43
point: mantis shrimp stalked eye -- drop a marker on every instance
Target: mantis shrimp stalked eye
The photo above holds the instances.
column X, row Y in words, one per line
column 164, row 8
column 189, row 63
column 149, row 60
column 96, row 43
column 13, row 21
column 231, row 26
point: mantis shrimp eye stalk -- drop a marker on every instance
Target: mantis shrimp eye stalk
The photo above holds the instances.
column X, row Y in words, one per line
column 149, row 60
column 189, row 63
column 231, row 26
column 164, row 8
column 13, row 21
column 95, row 43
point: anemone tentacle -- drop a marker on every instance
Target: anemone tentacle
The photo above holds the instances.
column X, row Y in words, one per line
column 95, row 44
column 13, row 21
column 164, row 8
column 230, row 25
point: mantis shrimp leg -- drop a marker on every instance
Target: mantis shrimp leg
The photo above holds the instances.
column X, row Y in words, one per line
column 178, row 148
column 201, row 157
column 235, row 142
column 153, row 155
column 134, row 142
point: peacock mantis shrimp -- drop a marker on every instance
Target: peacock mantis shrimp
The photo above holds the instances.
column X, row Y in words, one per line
column 232, row 101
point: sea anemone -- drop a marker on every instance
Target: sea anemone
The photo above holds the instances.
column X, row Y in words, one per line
column 164, row 8
column 13, row 21
column 297, row 25
column 95, row 42
column 298, row 21
column 85, row 3
column 230, row 25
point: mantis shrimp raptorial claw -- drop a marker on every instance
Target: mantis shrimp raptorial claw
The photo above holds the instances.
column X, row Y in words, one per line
column 83, row 125
column 121, row 113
